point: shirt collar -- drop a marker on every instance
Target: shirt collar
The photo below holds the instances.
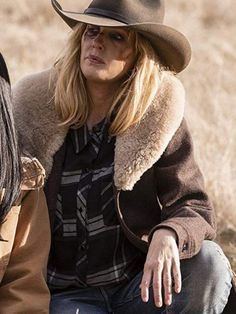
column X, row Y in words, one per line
column 82, row 136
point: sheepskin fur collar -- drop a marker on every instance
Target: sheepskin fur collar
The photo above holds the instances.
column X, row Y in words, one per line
column 136, row 150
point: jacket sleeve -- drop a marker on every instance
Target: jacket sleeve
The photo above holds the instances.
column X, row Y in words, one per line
column 23, row 288
column 186, row 208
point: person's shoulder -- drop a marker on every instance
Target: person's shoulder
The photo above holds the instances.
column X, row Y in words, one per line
column 36, row 84
column 33, row 174
column 171, row 89
column 37, row 78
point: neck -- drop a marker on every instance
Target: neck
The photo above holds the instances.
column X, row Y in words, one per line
column 101, row 100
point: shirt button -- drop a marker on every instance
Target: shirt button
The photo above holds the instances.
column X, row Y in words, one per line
column 83, row 246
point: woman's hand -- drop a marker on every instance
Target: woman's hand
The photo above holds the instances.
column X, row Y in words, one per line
column 162, row 264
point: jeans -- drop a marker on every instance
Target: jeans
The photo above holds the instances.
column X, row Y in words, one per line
column 206, row 284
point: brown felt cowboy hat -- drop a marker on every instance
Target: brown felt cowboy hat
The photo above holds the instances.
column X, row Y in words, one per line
column 145, row 16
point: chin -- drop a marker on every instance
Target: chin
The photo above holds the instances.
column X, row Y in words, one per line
column 95, row 77
column 101, row 77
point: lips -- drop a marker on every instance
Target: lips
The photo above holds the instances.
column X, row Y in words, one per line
column 95, row 59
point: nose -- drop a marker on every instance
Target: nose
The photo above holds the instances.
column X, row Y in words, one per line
column 98, row 41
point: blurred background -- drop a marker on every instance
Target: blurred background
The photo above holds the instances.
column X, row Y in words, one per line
column 32, row 36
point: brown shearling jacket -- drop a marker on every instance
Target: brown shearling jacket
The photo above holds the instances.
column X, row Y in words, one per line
column 24, row 248
column 157, row 182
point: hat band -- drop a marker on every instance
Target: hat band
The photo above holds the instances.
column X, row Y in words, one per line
column 106, row 13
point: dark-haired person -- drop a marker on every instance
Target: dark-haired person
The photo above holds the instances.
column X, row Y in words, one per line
column 24, row 223
column 130, row 217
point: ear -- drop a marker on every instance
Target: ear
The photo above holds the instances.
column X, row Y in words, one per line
column 3, row 69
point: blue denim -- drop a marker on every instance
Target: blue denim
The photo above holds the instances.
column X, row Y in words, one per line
column 206, row 284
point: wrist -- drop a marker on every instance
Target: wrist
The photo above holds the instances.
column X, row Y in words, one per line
column 165, row 232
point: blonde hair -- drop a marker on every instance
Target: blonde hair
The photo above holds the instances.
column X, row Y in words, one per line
column 131, row 101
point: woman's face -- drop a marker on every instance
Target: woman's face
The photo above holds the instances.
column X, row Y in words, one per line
column 107, row 54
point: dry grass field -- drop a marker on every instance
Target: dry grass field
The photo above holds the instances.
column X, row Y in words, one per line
column 32, row 36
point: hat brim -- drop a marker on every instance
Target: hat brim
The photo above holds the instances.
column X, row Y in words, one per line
column 3, row 70
column 171, row 46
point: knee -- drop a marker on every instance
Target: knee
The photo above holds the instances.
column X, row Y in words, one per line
column 213, row 264
column 213, row 276
column 206, row 280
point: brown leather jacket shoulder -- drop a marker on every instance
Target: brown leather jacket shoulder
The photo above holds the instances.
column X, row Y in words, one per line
column 24, row 247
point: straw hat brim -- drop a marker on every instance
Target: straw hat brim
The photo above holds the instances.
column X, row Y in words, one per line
column 171, row 46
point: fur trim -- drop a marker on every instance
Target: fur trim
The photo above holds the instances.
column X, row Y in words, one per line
column 136, row 150
column 143, row 144
column 36, row 120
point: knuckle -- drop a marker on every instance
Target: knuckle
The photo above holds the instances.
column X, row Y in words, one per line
column 159, row 263
column 144, row 284
column 169, row 258
column 176, row 275
column 149, row 265
column 167, row 281
column 168, row 262
column 156, row 287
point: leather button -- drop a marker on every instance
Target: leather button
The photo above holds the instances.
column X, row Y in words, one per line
column 185, row 247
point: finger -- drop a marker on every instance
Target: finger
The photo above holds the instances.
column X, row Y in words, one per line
column 177, row 276
column 157, row 286
column 145, row 283
column 167, row 282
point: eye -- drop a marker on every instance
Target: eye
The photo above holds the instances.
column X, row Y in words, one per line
column 92, row 31
column 117, row 36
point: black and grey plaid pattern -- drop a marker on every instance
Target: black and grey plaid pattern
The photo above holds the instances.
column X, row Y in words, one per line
column 88, row 244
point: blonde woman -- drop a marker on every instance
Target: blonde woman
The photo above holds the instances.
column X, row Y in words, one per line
column 24, row 223
column 130, row 217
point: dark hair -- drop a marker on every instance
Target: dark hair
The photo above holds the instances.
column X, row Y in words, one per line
column 10, row 162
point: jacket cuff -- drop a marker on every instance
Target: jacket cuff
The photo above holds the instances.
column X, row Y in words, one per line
column 185, row 244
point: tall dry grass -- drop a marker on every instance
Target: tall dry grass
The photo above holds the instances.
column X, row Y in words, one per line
column 32, row 36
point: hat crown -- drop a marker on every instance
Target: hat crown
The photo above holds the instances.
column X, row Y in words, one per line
column 129, row 11
column 144, row 16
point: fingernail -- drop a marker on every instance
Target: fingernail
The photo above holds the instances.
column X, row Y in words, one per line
column 168, row 302
column 146, row 295
column 159, row 304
